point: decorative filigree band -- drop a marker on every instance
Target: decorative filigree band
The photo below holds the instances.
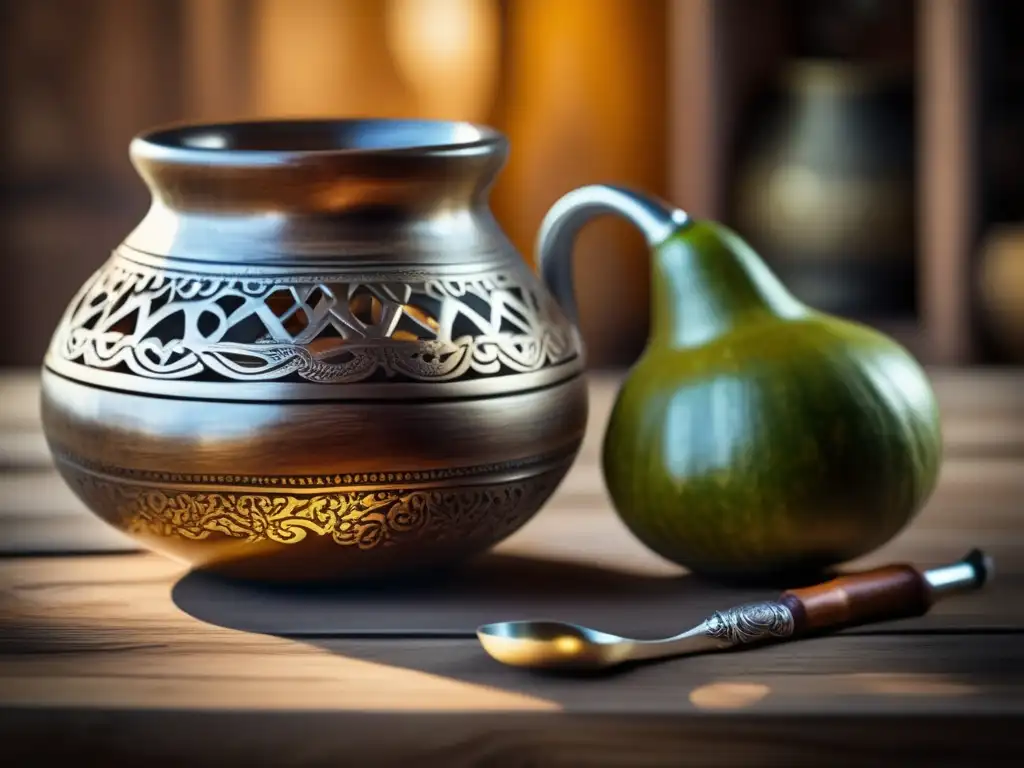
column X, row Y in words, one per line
column 361, row 519
column 750, row 623
column 165, row 324
column 481, row 505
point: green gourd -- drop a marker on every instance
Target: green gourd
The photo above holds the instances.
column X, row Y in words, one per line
column 755, row 436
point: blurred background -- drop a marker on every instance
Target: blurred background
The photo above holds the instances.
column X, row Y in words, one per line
column 872, row 150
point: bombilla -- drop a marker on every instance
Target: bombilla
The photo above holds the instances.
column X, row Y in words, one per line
column 889, row 592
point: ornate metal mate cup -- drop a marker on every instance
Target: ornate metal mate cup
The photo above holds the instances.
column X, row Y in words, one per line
column 318, row 356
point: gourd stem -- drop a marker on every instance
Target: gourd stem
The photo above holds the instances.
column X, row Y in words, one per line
column 708, row 282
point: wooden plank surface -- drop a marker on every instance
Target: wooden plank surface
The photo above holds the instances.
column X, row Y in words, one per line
column 200, row 738
column 852, row 675
column 129, row 656
column 108, row 632
column 109, row 661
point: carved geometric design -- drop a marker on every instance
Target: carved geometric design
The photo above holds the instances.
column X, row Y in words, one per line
column 164, row 324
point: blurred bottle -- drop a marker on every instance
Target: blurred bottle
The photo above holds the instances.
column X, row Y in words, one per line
column 825, row 180
column 826, row 189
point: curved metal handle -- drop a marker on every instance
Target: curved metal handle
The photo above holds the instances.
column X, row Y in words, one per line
column 655, row 218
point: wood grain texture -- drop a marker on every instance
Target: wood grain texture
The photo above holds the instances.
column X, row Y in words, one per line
column 443, row 703
column 131, row 659
column 502, row 739
column 855, row 675
column 103, row 635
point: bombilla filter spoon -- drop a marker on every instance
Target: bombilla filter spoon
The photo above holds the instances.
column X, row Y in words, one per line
column 890, row 592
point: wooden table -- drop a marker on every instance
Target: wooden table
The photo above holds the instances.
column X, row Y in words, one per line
column 99, row 663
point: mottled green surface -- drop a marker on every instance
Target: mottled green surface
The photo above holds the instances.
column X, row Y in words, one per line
column 757, row 436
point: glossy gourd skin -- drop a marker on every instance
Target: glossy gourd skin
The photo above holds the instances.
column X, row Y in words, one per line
column 756, row 436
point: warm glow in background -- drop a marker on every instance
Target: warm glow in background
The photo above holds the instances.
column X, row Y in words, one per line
column 657, row 94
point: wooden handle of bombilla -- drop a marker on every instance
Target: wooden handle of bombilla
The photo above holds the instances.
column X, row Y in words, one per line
column 890, row 592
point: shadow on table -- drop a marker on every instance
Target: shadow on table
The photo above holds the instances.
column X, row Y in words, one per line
column 447, row 608
column 382, row 623
column 494, row 587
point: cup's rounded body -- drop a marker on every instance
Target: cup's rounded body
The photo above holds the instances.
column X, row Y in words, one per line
column 317, row 356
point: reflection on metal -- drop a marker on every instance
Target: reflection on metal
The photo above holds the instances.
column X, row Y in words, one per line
column 317, row 355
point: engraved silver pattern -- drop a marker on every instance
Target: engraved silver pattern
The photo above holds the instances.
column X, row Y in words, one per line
column 750, row 623
column 162, row 323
